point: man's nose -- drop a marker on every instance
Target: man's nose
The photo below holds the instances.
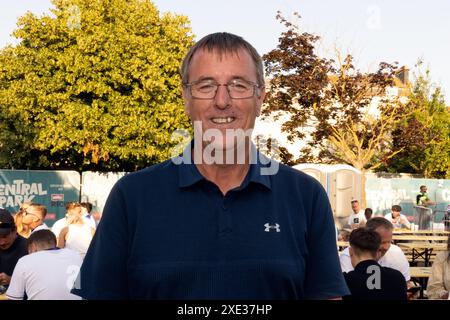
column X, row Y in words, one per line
column 222, row 99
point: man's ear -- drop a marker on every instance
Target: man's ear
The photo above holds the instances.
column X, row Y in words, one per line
column 261, row 94
column 351, row 252
column 186, row 98
column 31, row 248
column 378, row 254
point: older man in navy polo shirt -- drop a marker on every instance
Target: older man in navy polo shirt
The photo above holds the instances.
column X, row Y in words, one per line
column 221, row 221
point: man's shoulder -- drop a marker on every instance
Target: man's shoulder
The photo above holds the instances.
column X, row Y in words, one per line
column 287, row 173
column 395, row 249
column 162, row 169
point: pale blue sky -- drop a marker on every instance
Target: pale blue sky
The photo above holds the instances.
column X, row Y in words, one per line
column 373, row 31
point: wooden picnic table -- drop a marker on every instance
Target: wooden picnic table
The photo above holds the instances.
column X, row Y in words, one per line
column 420, row 272
column 420, row 232
column 421, row 275
column 397, row 237
column 422, row 250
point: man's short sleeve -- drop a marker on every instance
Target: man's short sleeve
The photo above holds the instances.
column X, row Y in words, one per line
column 16, row 289
column 324, row 278
column 103, row 274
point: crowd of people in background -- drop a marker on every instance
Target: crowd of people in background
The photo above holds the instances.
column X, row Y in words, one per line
column 38, row 262
column 371, row 247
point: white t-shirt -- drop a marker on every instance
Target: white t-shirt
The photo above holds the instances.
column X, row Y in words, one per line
column 90, row 221
column 360, row 216
column 79, row 238
column 58, row 226
column 40, row 227
column 45, row 275
column 394, row 258
column 402, row 221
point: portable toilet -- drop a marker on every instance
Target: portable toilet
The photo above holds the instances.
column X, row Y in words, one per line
column 345, row 183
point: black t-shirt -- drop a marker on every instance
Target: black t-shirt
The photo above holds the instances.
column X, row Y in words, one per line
column 10, row 256
column 364, row 285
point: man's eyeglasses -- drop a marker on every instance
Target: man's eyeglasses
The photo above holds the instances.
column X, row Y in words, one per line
column 207, row 89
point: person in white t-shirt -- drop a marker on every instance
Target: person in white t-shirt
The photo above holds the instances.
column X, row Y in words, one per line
column 357, row 218
column 47, row 273
column 390, row 255
column 86, row 208
column 398, row 219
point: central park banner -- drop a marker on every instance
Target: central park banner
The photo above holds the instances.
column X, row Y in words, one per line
column 50, row 188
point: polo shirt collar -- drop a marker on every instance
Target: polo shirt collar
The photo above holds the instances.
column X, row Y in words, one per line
column 190, row 175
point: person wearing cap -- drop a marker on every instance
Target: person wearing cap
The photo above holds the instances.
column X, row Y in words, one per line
column 34, row 216
column 12, row 246
column 357, row 218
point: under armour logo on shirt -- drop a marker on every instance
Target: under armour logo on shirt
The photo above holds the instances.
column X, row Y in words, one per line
column 268, row 226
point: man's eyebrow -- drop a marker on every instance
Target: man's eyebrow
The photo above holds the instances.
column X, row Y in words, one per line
column 209, row 78
column 205, row 78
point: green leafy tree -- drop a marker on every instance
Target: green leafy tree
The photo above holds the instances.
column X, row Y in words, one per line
column 95, row 86
column 332, row 102
column 423, row 139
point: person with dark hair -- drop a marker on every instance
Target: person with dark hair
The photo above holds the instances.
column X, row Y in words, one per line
column 222, row 221
column 34, row 216
column 46, row 273
column 369, row 280
column 422, row 199
column 439, row 282
column 368, row 213
column 398, row 219
column 390, row 255
column 12, row 247
column 86, row 208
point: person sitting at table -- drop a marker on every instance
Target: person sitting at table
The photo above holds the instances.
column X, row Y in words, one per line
column 46, row 273
column 390, row 255
column 439, row 281
column 357, row 218
column 369, row 280
column 368, row 213
column 398, row 219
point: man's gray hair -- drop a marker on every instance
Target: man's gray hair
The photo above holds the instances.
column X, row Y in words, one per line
column 377, row 222
column 223, row 43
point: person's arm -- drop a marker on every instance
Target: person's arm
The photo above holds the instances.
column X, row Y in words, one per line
column 404, row 221
column 4, row 279
column 436, row 288
column 17, row 287
column 62, row 237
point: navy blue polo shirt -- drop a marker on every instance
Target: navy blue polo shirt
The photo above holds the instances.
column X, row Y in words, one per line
column 168, row 233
